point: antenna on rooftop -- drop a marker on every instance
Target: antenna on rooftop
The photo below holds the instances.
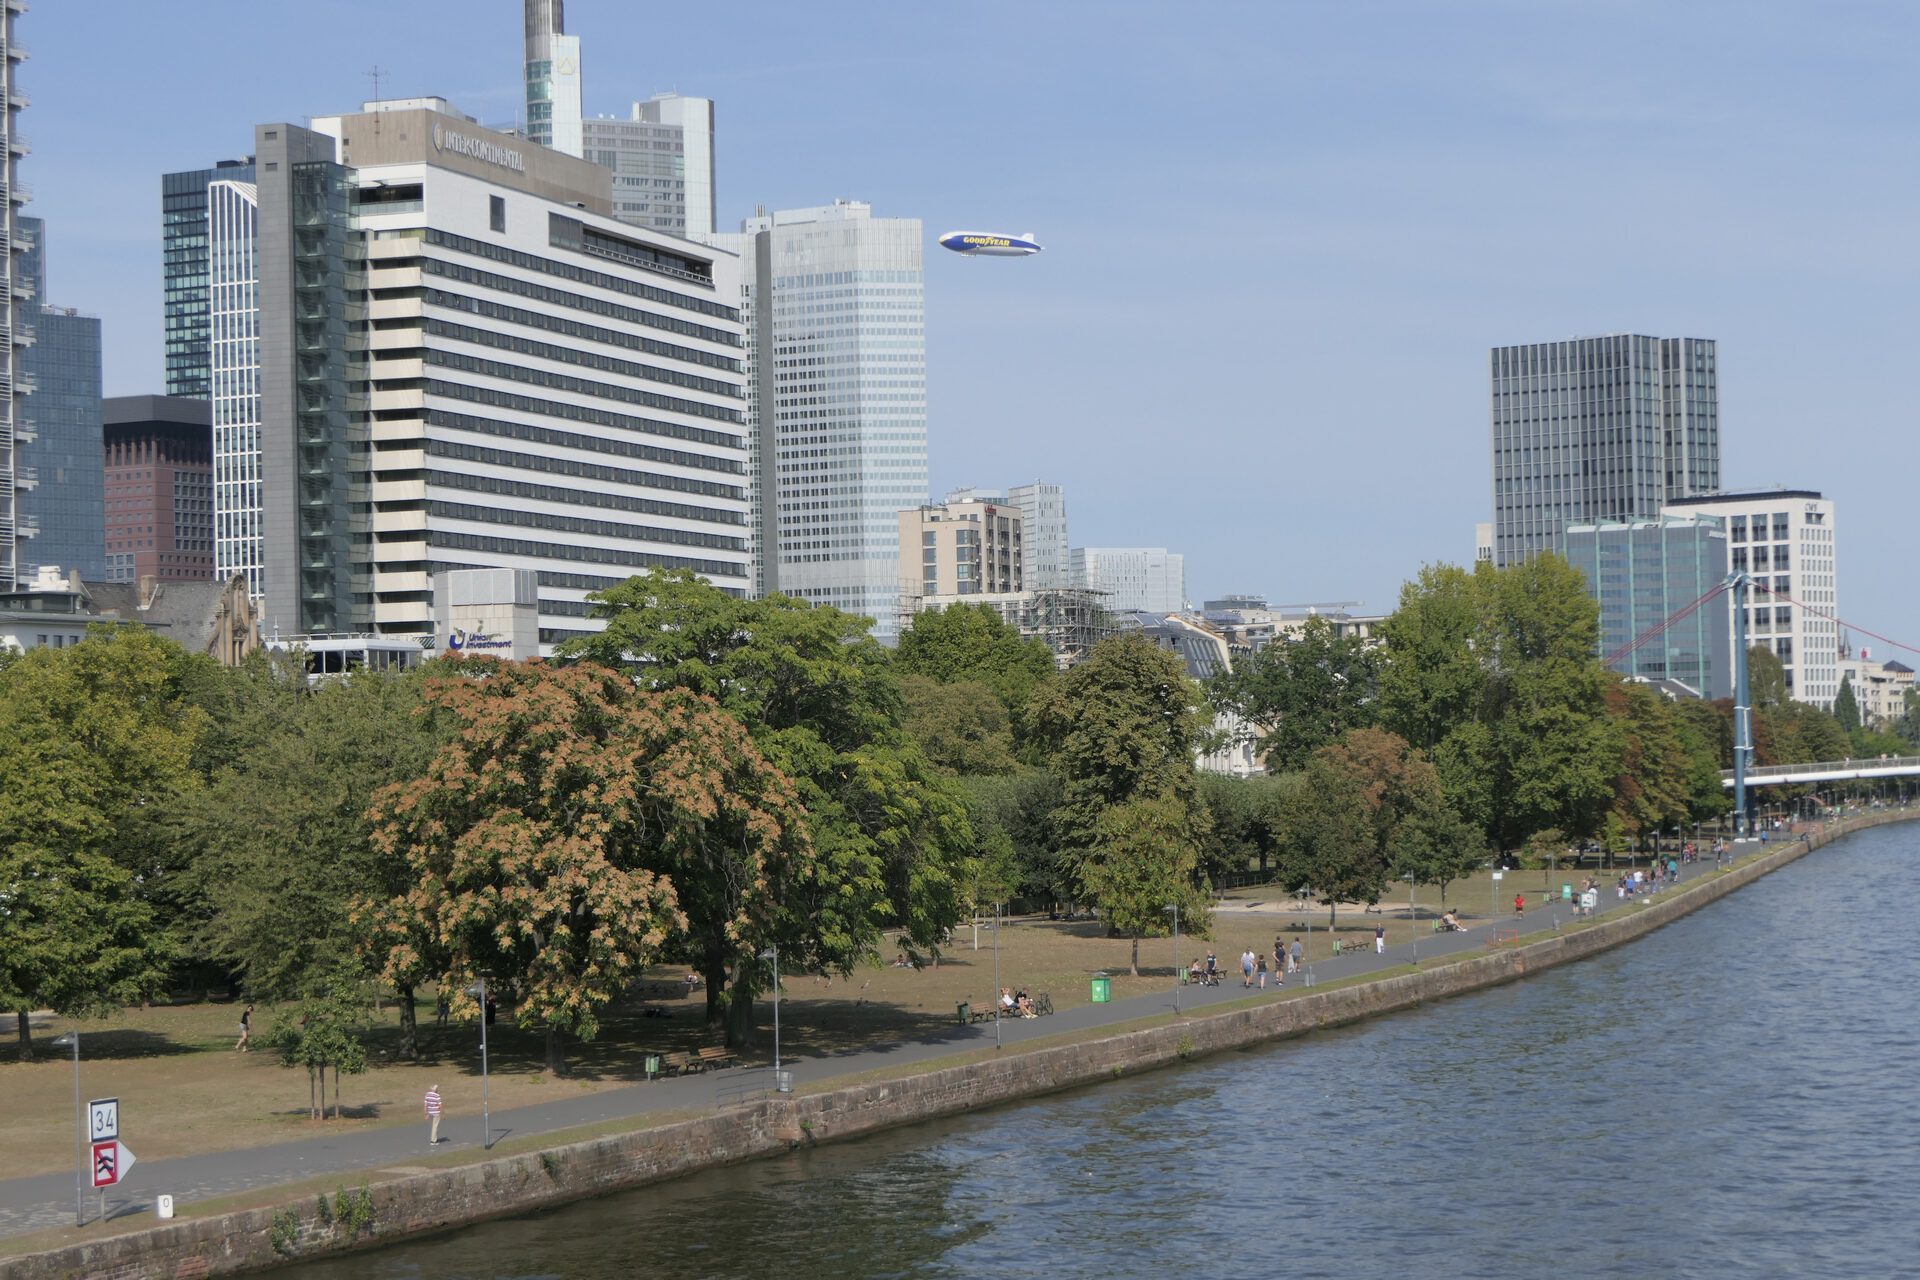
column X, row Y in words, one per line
column 377, row 76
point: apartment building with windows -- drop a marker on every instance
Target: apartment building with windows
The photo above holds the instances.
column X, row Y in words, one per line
column 159, row 490
column 961, row 549
column 1784, row 539
column 467, row 363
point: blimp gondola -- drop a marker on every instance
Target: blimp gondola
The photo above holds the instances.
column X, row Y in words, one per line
column 989, row 244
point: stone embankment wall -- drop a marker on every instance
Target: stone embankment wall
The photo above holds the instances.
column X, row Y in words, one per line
column 256, row 1239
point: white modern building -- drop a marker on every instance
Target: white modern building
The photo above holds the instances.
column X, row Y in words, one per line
column 468, row 363
column 661, row 156
column 1784, row 539
column 1146, row 579
column 233, row 325
column 1879, row 688
column 836, row 313
column 1043, row 520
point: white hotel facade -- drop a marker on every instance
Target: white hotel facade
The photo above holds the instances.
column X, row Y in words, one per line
column 468, row 363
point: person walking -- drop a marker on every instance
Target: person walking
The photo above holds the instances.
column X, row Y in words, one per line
column 1520, row 904
column 1260, row 964
column 1379, row 939
column 1279, row 962
column 433, row 1115
column 1298, row 955
column 1246, row 967
column 246, row 1031
column 442, row 1007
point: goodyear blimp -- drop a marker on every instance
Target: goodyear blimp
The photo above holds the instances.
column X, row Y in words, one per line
column 988, row 244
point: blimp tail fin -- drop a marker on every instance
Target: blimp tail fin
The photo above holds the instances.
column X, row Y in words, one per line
column 1026, row 235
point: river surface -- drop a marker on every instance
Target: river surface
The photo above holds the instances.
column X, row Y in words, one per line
column 1733, row 1095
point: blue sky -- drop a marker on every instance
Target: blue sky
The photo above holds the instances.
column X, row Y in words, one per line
column 1280, row 237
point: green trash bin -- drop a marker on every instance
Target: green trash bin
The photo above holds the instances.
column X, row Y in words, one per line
column 1102, row 989
column 1566, row 893
column 651, row 1065
column 964, row 1012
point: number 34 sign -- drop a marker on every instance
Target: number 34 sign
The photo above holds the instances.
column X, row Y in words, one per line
column 111, row 1160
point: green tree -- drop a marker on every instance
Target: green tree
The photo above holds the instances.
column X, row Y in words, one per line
column 283, row 841
column 1144, row 860
column 325, row 1036
column 1651, row 791
column 962, row 728
column 823, row 705
column 1019, row 809
column 1846, row 707
column 1124, row 724
column 972, row 643
column 1328, row 848
column 1244, row 821
column 1766, row 679
column 572, row 828
column 1431, row 680
column 95, row 740
column 1301, row 694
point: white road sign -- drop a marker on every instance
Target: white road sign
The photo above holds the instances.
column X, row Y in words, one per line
column 103, row 1119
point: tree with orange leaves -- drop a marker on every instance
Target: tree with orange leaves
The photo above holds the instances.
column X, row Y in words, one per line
column 573, row 830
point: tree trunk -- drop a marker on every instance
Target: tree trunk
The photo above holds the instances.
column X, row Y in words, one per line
column 1333, row 916
column 409, row 1026
column 556, row 1062
column 715, row 973
column 26, row 1038
column 1133, row 965
column 336, row 1091
column 739, row 1024
column 313, row 1105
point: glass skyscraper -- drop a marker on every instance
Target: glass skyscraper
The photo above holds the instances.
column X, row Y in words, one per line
column 233, row 291
column 1644, row 572
column 553, row 77
column 183, row 248
column 837, row 349
column 15, row 309
column 60, row 470
column 662, row 163
column 1596, row 429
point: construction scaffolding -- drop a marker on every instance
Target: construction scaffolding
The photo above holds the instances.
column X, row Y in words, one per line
column 1068, row 620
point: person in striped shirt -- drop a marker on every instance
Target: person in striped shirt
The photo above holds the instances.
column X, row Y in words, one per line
column 433, row 1115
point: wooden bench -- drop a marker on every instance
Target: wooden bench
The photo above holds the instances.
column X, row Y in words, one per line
column 714, row 1055
column 677, row 1063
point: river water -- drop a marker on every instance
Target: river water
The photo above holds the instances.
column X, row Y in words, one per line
column 1733, row 1095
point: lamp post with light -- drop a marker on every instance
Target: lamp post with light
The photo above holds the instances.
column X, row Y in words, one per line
column 479, row 992
column 773, row 954
column 1174, row 907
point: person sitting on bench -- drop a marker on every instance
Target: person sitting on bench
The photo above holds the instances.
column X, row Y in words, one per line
column 1196, row 972
column 1024, row 1003
column 1007, row 1004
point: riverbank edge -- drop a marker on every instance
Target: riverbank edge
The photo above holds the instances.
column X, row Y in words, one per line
column 421, row 1203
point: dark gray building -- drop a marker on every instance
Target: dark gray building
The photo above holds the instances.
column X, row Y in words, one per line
column 1647, row 572
column 59, row 468
column 183, row 249
column 1597, row 429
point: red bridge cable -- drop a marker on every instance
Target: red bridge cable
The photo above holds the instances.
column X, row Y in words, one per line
column 1851, row 626
column 1659, row 628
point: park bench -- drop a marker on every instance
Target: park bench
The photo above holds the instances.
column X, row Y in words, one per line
column 714, row 1055
column 677, row 1063
column 1345, row 946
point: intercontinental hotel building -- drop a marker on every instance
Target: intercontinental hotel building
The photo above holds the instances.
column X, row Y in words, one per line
column 463, row 361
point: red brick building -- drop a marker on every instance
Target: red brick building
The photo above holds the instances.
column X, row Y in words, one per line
column 159, row 489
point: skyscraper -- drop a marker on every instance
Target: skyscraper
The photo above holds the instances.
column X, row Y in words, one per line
column 467, row 363
column 1598, row 429
column 233, row 326
column 1644, row 574
column 159, row 464
column 1147, row 579
column 58, row 469
column 662, row 163
column 553, row 78
column 837, row 354
column 18, row 304
column 183, row 257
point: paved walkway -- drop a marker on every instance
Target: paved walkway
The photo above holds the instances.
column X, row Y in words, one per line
column 47, row 1200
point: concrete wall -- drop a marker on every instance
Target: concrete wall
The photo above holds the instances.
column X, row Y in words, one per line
column 228, row 1244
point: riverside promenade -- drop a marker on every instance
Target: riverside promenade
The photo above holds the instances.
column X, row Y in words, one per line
column 36, row 1203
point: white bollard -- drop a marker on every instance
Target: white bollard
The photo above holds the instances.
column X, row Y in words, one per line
column 163, row 1207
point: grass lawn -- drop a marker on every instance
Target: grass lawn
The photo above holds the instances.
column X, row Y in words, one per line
column 184, row 1091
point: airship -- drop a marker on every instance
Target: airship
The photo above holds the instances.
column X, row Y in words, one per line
column 989, row 244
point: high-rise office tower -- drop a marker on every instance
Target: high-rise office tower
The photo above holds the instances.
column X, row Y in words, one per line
column 1644, row 574
column 159, row 464
column 58, row 469
column 1596, row 429
column 553, row 78
column 467, row 363
column 233, row 330
column 837, row 351
column 662, row 162
column 1146, row 579
column 1784, row 539
column 17, row 306
column 183, row 257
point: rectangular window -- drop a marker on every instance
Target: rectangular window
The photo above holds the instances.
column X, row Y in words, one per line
column 497, row 213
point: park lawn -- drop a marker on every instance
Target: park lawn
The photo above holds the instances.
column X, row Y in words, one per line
column 184, row 1091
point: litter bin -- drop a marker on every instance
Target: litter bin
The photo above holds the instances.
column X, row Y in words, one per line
column 783, row 1081
column 651, row 1065
column 1102, row 989
column 964, row 1012
column 1566, row 893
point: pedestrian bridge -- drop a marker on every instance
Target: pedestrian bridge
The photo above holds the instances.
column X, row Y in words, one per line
column 1830, row 771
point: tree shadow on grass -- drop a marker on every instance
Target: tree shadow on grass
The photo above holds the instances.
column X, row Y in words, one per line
column 348, row 1111
column 118, row 1043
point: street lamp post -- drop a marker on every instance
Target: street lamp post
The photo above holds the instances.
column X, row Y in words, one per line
column 998, row 1008
column 479, row 992
column 1174, row 907
column 79, row 1133
column 1410, row 921
column 773, row 954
